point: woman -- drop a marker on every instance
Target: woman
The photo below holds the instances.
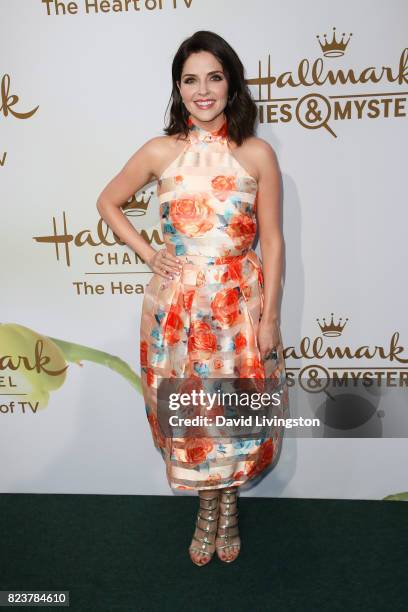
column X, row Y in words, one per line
column 207, row 311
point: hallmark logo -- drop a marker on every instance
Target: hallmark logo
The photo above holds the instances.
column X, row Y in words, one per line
column 63, row 240
column 341, row 364
column 8, row 106
column 332, row 329
column 314, row 110
column 334, row 48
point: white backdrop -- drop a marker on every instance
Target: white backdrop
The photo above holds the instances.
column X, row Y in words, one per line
column 80, row 93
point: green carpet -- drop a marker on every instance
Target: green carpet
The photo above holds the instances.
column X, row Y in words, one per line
column 129, row 553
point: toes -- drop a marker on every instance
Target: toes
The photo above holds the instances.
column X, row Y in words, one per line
column 203, row 559
column 230, row 553
column 199, row 557
column 235, row 551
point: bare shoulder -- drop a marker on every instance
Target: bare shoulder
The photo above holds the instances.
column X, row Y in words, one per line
column 144, row 166
column 164, row 141
column 257, row 156
column 263, row 156
column 261, row 148
column 160, row 144
column 161, row 150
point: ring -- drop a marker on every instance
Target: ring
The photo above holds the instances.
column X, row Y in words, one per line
column 272, row 354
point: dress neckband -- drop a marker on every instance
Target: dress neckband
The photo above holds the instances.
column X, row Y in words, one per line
column 198, row 133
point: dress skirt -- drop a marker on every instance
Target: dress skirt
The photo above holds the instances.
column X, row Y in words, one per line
column 200, row 325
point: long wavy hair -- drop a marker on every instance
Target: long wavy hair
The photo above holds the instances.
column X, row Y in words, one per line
column 241, row 110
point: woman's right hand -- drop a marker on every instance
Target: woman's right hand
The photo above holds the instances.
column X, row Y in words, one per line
column 164, row 263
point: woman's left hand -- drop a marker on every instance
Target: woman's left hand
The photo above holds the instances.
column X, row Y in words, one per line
column 268, row 336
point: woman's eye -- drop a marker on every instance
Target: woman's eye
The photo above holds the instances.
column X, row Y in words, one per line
column 215, row 76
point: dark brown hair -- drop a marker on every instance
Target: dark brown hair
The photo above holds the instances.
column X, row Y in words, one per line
column 241, row 110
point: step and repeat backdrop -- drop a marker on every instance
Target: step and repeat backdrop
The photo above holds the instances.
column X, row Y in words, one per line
column 83, row 85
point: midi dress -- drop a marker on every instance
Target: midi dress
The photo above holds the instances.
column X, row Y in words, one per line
column 203, row 323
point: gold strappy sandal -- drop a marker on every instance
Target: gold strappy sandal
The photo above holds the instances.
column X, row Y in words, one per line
column 228, row 532
column 206, row 544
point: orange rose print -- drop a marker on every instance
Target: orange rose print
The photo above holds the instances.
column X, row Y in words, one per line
column 173, row 327
column 240, row 342
column 187, row 386
column 192, row 216
column 197, row 449
column 252, row 367
column 225, row 306
column 192, row 383
column 212, row 480
column 262, row 458
column 222, row 185
column 223, row 182
column 188, row 297
column 233, row 271
column 201, row 340
column 150, row 376
column 143, row 354
column 242, row 230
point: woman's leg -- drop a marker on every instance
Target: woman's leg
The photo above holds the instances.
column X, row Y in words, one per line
column 203, row 544
column 228, row 542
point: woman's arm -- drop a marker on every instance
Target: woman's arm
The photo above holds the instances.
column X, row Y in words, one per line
column 141, row 168
column 270, row 235
column 137, row 172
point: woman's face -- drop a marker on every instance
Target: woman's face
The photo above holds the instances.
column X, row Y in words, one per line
column 203, row 86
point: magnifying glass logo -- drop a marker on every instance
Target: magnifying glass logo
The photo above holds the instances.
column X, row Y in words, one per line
column 313, row 111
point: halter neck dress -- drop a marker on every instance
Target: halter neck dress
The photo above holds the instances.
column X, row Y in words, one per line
column 203, row 323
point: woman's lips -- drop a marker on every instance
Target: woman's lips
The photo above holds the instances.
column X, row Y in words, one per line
column 205, row 105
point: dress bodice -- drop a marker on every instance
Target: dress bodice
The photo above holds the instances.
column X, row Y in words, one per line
column 207, row 199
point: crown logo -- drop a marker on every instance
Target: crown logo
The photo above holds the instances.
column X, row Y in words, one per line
column 135, row 207
column 334, row 48
column 331, row 329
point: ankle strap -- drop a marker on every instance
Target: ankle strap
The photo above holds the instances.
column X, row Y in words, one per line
column 210, row 506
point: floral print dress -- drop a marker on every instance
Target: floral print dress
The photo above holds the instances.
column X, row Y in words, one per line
column 203, row 323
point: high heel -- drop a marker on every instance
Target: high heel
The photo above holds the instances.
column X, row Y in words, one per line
column 206, row 544
column 227, row 530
